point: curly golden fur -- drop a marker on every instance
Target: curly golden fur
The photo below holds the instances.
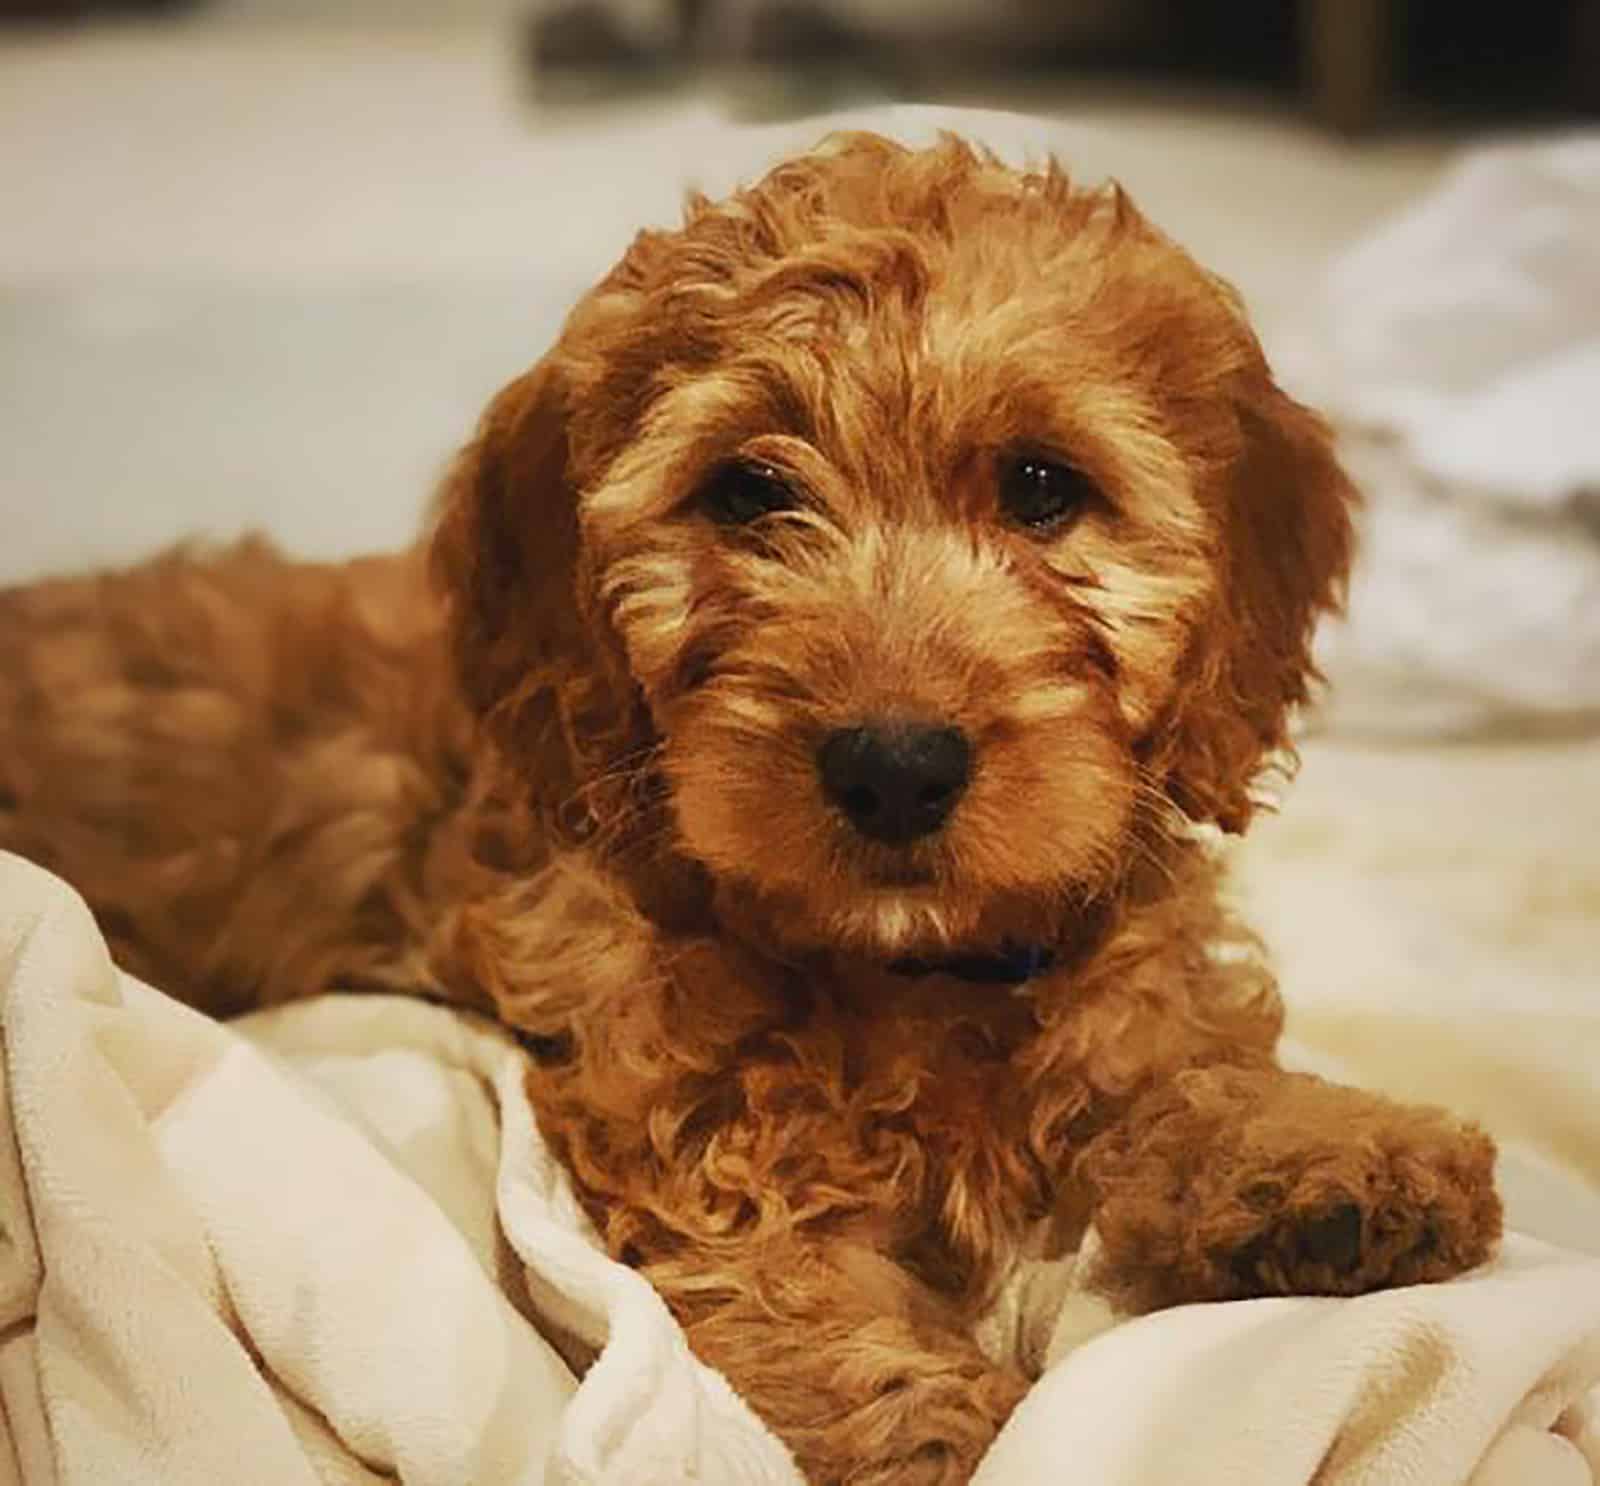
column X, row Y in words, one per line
column 575, row 783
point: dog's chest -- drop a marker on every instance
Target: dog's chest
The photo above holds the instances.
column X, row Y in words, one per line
column 916, row 1120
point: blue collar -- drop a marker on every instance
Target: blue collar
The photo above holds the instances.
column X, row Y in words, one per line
column 1012, row 965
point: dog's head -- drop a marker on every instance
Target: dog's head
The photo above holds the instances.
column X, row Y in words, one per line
column 916, row 531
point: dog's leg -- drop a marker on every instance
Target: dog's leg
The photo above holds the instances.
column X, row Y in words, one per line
column 853, row 1363
column 1228, row 1183
column 245, row 765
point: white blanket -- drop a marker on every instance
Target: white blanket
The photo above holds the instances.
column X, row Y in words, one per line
column 325, row 1245
column 1457, row 347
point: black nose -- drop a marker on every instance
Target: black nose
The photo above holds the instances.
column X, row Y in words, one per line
column 896, row 781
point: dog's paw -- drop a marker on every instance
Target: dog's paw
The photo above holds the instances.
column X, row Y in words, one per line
column 1233, row 1184
column 1418, row 1209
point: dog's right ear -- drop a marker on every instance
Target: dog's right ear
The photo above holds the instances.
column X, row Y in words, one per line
column 507, row 555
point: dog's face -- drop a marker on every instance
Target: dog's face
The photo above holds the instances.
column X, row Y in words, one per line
column 930, row 532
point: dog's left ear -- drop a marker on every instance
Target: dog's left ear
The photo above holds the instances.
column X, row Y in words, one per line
column 1287, row 539
column 507, row 556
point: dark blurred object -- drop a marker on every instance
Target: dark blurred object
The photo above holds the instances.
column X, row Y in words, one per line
column 1586, row 58
column 1346, row 59
column 1365, row 61
column 1356, row 65
column 585, row 33
column 1361, row 64
column 83, row 10
column 591, row 33
column 897, row 40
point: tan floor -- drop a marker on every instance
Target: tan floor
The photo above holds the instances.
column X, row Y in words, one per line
column 1474, row 866
column 1435, row 916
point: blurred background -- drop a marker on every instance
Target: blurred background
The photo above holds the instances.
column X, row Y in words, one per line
column 263, row 261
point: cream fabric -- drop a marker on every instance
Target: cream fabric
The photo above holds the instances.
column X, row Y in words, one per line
column 216, row 1268
column 1484, row 1381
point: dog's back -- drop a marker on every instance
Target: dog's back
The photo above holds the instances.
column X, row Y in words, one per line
column 251, row 768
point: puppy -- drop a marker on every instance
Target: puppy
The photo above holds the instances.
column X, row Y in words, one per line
column 838, row 652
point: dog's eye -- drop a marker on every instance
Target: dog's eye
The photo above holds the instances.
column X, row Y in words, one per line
column 1041, row 494
column 739, row 493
